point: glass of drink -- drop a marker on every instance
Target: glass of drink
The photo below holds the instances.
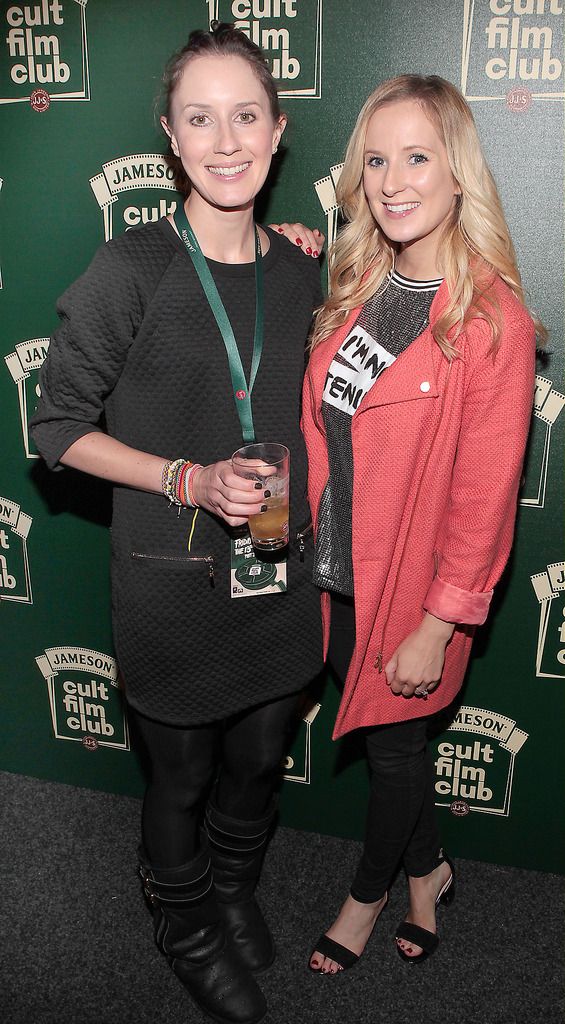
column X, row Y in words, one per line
column 269, row 464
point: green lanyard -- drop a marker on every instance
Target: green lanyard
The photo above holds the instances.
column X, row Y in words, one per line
column 241, row 391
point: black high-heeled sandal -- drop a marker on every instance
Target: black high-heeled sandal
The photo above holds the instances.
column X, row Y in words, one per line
column 341, row 955
column 429, row 941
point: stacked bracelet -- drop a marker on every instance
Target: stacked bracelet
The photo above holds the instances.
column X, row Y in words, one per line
column 172, row 478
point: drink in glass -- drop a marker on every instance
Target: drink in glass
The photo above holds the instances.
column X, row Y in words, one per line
column 267, row 463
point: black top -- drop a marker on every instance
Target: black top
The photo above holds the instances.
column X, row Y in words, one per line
column 397, row 313
column 138, row 353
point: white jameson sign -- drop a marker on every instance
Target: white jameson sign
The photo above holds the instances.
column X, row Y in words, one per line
column 325, row 190
column 46, row 54
column 124, row 182
column 512, row 50
column 548, row 404
column 475, row 774
column 24, row 365
column 85, row 701
column 15, row 578
column 290, row 34
column 298, row 764
column 512, row 45
column 549, row 587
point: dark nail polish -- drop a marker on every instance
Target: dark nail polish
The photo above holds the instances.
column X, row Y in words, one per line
column 258, row 485
column 264, row 508
column 280, row 231
column 298, row 241
column 267, row 494
column 315, row 254
column 309, row 251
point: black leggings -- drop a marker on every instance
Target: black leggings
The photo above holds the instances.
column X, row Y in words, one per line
column 401, row 820
column 248, row 747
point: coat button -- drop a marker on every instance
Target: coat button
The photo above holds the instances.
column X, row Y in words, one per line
column 425, row 385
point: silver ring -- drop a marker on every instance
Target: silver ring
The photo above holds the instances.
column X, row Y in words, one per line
column 421, row 693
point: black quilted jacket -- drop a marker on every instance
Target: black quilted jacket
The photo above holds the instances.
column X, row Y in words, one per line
column 138, row 351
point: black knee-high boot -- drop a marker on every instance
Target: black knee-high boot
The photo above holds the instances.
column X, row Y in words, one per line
column 237, row 849
column 190, row 932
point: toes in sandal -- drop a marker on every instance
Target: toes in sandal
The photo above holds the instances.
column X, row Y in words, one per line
column 343, row 956
column 420, row 937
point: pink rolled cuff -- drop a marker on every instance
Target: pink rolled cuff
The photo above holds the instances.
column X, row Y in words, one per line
column 452, row 604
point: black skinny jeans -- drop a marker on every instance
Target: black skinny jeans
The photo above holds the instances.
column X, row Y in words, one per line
column 401, row 820
column 247, row 748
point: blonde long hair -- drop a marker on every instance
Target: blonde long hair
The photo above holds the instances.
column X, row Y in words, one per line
column 475, row 245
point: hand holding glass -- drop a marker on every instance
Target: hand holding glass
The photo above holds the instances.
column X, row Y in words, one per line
column 267, row 463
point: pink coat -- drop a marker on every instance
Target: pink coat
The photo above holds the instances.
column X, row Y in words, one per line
column 437, row 456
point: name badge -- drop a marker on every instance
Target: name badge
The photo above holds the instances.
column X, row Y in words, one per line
column 249, row 576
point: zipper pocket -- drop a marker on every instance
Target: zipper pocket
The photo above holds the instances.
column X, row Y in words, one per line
column 209, row 559
column 300, row 536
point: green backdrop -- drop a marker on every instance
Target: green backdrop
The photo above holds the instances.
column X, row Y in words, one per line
column 78, row 84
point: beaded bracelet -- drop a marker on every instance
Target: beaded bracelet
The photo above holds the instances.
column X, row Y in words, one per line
column 188, row 485
column 169, row 480
column 164, row 475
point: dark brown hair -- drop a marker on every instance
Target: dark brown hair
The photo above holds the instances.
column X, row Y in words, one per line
column 223, row 40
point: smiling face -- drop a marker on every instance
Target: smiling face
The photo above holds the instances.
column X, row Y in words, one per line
column 408, row 183
column 223, row 130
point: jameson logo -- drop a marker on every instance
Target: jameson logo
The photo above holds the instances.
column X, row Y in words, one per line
column 125, row 191
column 290, row 34
column 45, row 53
column 297, row 765
column 86, row 704
column 475, row 763
column 513, row 50
column 549, row 587
column 24, row 364
column 548, row 404
column 15, row 579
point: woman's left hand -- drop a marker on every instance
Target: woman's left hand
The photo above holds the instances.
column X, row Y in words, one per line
column 417, row 664
column 310, row 240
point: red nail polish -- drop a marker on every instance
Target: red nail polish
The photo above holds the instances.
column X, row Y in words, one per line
column 298, row 241
column 280, row 231
column 309, row 251
column 315, row 253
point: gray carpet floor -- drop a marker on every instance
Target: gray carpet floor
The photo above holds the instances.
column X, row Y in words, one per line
column 78, row 946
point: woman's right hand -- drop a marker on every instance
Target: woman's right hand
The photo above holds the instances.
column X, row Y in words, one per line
column 219, row 490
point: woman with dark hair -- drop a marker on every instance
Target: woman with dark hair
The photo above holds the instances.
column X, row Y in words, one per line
column 137, row 379
column 416, row 411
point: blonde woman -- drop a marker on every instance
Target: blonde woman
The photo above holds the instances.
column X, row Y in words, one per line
column 416, row 410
